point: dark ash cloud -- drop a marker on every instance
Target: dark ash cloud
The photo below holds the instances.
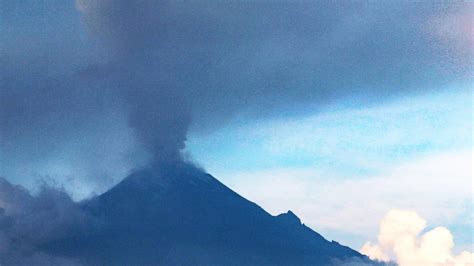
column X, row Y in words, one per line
column 119, row 82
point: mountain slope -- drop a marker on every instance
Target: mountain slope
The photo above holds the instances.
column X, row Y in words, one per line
column 181, row 216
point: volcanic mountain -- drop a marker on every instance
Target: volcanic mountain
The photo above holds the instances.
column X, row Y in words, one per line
column 179, row 215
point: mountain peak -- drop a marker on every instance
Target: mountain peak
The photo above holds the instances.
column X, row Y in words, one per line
column 289, row 217
column 184, row 216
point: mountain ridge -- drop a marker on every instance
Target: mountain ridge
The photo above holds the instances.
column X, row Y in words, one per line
column 180, row 215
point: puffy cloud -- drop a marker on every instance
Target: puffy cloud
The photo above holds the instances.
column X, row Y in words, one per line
column 399, row 239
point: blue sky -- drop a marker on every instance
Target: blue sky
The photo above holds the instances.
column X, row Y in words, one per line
column 348, row 141
column 272, row 161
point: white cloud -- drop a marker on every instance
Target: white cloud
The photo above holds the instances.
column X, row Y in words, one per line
column 400, row 235
column 438, row 187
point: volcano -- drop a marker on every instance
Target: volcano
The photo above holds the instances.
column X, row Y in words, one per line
column 179, row 215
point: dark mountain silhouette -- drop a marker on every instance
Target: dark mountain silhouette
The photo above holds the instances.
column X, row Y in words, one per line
column 181, row 216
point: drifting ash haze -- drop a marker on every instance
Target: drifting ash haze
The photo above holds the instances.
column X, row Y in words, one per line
column 94, row 89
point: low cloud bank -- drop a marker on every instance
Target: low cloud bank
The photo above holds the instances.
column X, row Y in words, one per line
column 400, row 239
column 28, row 222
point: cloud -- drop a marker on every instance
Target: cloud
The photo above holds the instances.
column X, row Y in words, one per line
column 161, row 68
column 454, row 31
column 400, row 235
column 27, row 222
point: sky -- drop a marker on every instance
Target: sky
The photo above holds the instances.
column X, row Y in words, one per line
column 411, row 153
column 339, row 112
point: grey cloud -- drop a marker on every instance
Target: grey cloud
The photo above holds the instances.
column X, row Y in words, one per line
column 158, row 69
column 267, row 58
column 27, row 222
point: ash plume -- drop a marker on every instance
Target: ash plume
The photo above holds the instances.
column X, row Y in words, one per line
column 93, row 89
